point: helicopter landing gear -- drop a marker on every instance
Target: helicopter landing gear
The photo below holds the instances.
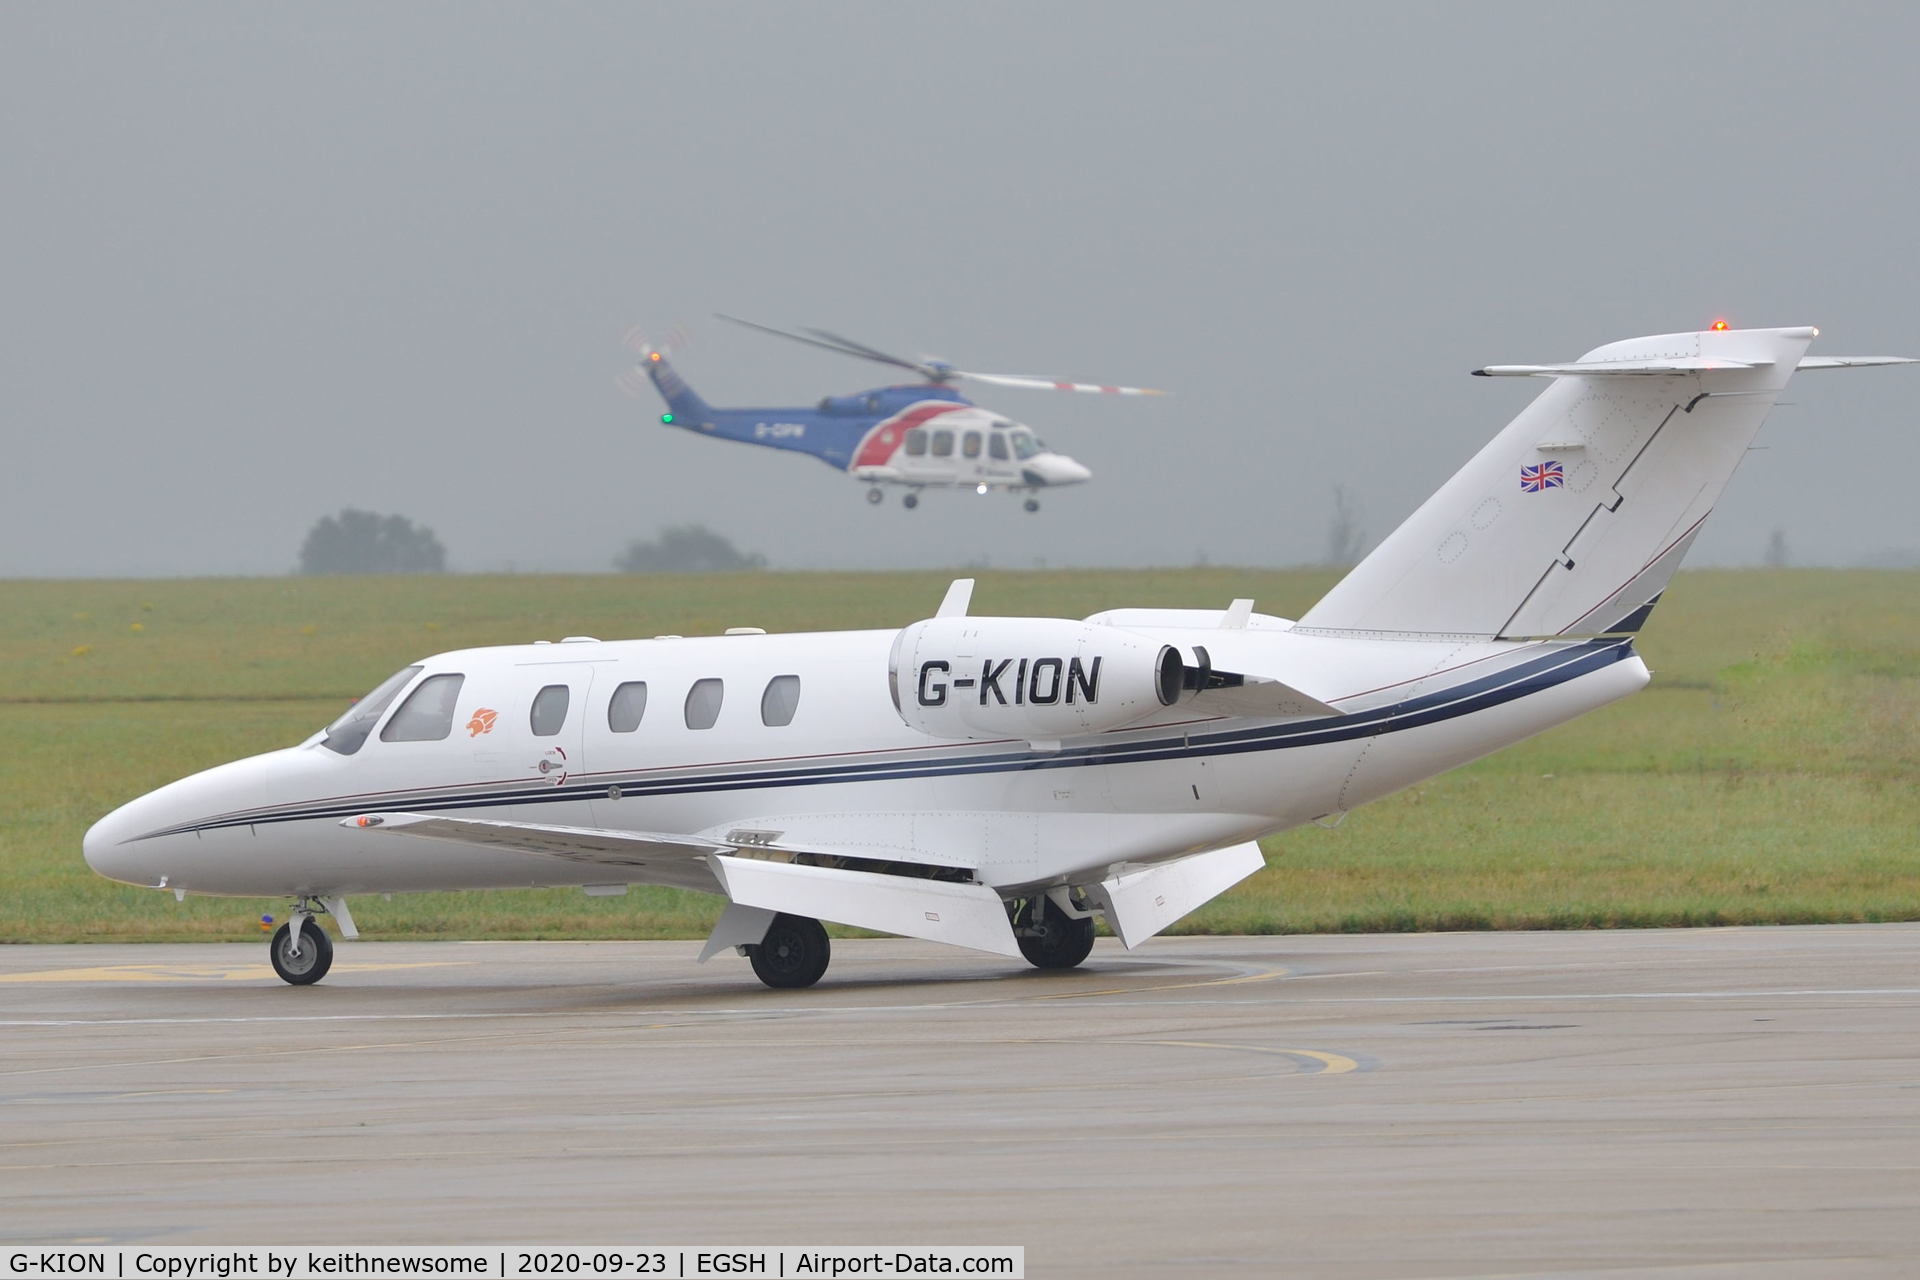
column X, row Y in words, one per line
column 911, row 501
column 300, row 950
column 875, row 496
column 1032, row 504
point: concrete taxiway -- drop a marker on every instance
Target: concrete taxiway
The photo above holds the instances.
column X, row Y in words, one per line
column 1737, row 1102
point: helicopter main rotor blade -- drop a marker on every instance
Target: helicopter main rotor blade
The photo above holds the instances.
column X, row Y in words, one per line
column 1051, row 384
column 874, row 353
column 840, row 345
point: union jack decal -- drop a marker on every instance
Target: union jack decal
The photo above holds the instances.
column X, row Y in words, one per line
column 1548, row 475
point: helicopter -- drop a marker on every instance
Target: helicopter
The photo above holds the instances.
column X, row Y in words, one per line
column 919, row 436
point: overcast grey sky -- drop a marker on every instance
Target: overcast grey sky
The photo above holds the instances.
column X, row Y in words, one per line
column 265, row 261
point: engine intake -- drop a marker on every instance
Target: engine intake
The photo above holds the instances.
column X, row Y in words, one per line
column 1042, row 679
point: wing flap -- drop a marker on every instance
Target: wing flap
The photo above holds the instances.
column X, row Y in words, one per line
column 965, row 915
column 598, row 846
column 1139, row 904
column 1636, row 368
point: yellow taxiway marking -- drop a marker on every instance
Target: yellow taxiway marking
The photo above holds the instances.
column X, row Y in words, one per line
column 195, row 972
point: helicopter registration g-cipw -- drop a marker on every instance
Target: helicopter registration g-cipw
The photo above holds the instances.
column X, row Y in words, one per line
column 1000, row 782
column 922, row 436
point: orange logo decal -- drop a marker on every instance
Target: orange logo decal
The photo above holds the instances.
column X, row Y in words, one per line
column 482, row 722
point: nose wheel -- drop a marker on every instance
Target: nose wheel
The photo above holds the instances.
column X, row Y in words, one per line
column 301, row 958
column 1032, row 504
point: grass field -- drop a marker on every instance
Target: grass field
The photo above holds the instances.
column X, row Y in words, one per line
column 1769, row 774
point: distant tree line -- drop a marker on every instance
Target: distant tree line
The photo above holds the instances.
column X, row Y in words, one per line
column 357, row 541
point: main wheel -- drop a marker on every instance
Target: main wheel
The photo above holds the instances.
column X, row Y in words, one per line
column 874, row 495
column 1060, row 942
column 315, row 958
column 911, row 501
column 793, row 954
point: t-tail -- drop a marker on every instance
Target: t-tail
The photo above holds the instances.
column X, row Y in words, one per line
column 685, row 408
column 1572, row 521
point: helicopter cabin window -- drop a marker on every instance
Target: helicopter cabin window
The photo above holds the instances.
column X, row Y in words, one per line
column 1025, row 446
column 347, row 733
column 628, row 704
column 943, row 444
column 997, row 445
column 549, row 710
column 780, row 701
column 703, row 703
column 427, row 714
column 916, row 443
column 970, row 444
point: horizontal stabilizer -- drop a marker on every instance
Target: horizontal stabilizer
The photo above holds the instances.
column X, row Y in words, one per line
column 1641, row 368
column 966, row 915
column 1139, row 904
column 1851, row 362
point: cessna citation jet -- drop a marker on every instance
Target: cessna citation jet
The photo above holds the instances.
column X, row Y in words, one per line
column 1000, row 783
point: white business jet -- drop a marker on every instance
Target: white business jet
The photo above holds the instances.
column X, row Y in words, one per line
column 1000, row 783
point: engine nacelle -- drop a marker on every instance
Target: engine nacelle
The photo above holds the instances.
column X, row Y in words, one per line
column 1042, row 679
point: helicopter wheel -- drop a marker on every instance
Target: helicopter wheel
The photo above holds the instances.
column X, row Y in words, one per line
column 874, row 495
column 1033, row 504
column 911, row 501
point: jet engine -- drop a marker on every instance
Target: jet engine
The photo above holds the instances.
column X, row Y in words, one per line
column 1042, row 679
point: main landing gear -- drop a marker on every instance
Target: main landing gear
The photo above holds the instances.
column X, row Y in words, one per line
column 300, row 950
column 794, row 952
column 1050, row 938
column 911, row 501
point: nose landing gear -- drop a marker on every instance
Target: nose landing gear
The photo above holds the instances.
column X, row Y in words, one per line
column 300, row 950
column 1032, row 504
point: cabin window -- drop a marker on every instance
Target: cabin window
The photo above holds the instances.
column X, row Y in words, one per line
column 703, row 703
column 916, row 443
column 347, row 733
column 970, row 445
column 943, row 444
column 549, row 710
column 427, row 714
column 780, row 701
column 997, row 446
column 628, row 704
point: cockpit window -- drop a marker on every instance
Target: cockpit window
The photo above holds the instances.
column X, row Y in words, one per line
column 346, row 734
column 427, row 714
column 1025, row 446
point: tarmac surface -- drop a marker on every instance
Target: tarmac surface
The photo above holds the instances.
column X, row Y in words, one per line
column 1697, row 1103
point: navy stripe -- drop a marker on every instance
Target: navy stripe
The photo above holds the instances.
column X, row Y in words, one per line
column 1510, row 684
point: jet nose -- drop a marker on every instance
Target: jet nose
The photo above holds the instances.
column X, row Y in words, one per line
column 109, row 850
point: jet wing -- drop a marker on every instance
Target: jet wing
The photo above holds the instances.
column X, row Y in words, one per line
column 964, row 914
column 1260, row 696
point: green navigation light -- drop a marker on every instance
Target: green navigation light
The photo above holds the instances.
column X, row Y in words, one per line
column 666, row 417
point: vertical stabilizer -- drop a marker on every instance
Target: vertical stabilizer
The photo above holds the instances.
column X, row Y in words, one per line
column 1572, row 520
column 686, row 408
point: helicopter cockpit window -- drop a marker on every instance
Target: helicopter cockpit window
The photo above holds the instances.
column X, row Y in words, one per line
column 916, row 443
column 943, row 444
column 970, row 444
column 1025, row 446
column 346, row 734
column 997, row 445
column 427, row 714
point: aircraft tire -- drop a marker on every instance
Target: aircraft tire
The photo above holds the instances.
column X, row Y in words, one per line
column 793, row 954
column 315, row 958
column 911, row 501
column 1062, row 942
column 1033, row 504
column 874, row 495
